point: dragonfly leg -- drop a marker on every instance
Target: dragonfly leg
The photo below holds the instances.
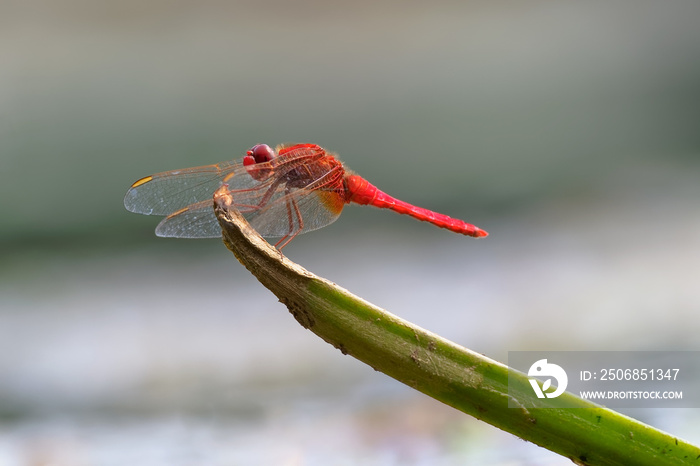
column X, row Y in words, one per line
column 264, row 200
column 293, row 232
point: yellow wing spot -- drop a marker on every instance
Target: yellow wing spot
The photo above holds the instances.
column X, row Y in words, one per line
column 142, row 181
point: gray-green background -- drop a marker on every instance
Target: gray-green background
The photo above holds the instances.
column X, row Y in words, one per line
column 568, row 130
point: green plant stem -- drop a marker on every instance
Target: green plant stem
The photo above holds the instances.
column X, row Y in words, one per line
column 468, row 381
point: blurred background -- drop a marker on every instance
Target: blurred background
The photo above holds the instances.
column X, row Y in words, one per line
column 568, row 130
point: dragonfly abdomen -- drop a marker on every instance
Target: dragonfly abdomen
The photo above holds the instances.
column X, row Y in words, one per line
column 361, row 191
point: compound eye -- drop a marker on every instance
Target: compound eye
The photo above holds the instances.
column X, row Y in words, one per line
column 262, row 153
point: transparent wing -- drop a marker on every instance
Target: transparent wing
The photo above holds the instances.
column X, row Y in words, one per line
column 273, row 208
column 171, row 191
column 296, row 211
column 195, row 221
column 167, row 192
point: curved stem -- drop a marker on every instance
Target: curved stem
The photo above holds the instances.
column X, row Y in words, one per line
column 464, row 379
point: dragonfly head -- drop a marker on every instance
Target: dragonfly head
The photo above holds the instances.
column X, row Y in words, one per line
column 260, row 153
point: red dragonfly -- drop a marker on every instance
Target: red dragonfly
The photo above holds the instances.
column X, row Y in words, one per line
column 282, row 193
